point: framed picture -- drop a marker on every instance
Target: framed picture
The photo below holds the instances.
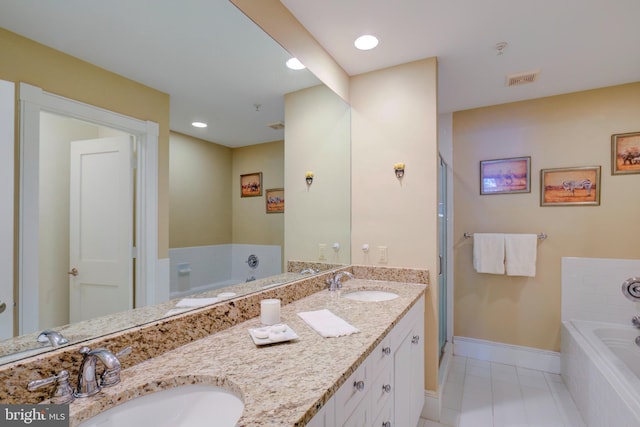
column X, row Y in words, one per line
column 275, row 200
column 625, row 153
column 504, row 176
column 570, row 186
column 251, row 184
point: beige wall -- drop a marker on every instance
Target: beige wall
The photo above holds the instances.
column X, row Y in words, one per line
column 250, row 222
column 199, row 192
column 205, row 203
column 561, row 131
column 318, row 140
column 26, row 61
column 394, row 119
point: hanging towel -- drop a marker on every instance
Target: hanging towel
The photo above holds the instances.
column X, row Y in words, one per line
column 488, row 253
column 520, row 254
column 327, row 324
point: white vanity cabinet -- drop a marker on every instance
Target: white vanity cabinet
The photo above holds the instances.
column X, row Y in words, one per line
column 387, row 389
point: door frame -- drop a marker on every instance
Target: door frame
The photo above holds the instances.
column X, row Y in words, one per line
column 7, row 159
column 33, row 100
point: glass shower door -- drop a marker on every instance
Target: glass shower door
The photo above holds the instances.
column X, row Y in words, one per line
column 442, row 253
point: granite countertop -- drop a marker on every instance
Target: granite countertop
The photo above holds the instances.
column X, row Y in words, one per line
column 281, row 384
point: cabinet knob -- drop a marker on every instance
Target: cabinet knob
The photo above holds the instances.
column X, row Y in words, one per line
column 415, row 339
column 386, row 424
column 386, row 351
column 358, row 385
column 386, row 388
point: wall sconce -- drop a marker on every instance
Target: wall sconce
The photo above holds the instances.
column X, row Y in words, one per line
column 399, row 169
column 308, row 176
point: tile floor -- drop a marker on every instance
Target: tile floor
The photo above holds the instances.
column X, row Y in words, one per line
column 486, row 394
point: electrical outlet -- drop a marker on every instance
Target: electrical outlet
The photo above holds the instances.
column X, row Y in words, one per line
column 383, row 255
column 322, row 251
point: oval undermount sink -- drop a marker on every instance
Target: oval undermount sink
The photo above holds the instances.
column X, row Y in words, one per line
column 371, row 296
column 193, row 405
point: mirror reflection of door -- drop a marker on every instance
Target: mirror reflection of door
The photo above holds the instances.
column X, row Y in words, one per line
column 100, row 229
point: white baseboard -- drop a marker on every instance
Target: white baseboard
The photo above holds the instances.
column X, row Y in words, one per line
column 525, row 357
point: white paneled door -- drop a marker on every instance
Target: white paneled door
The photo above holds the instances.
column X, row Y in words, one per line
column 101, row 227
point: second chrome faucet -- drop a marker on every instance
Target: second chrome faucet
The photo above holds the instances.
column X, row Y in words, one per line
column 88, row 383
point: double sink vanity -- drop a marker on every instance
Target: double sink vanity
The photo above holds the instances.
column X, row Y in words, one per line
column 203, row 364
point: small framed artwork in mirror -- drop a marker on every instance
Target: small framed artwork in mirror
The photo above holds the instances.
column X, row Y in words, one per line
column 504, row 176
column 625, row 153
column 275, row 200
column 251, row 184
column 570, row 186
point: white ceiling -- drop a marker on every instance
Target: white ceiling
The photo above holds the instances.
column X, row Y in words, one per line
column 577, row 44
column 216, row 64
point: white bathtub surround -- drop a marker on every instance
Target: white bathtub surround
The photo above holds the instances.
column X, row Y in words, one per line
column 592, row 289
column 201, row 268
column 605, row 389
column 525, row 357
column 596, row 325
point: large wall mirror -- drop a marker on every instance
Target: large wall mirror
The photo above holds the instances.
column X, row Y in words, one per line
column 221, row 244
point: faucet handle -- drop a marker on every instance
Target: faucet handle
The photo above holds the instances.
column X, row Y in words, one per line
column 63, row 392
column 111, row 374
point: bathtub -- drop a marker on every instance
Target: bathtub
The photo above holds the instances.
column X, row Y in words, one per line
column 600, row 364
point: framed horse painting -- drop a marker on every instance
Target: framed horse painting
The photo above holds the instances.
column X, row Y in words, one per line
column 570, row 186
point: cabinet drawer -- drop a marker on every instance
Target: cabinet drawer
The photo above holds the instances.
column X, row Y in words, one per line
column 351, row 393
column 381, row 393
column 381, row 357
column 405, row 324
column 385, row 416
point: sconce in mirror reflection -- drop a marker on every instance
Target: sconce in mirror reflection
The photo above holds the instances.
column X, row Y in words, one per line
column 399, row 169
column 308, row 177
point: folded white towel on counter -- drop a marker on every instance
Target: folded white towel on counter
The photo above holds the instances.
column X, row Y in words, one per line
column 520, row 254
column 488, row 253
column 327, row 324
column 196, row 302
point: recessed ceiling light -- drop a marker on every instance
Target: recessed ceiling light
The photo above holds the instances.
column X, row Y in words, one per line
column 295, row 64
column 366, row 42
column 199, row 125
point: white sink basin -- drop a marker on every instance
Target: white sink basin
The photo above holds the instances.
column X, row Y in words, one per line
column 371, row 296
column 194, row 405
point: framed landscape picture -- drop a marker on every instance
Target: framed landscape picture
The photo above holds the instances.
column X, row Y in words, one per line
column 625, row 153
column 570, row 186
column 251, row 184
column 275, row 200
column 505, row 176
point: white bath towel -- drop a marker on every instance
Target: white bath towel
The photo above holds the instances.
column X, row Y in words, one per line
column 520, row 254
column 327, row 324
column 488, row 253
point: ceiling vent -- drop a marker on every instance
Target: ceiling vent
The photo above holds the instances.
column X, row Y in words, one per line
column 522, row 78
column 276, row 126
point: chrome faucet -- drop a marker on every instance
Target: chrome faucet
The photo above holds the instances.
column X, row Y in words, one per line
column 335, row 282
column 52, row 337
column 87, row 380
column 308, row 271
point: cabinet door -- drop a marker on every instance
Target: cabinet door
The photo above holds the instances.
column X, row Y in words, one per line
column 359, row 416
column 325, row 416
column 402, row 378
column 417, row 369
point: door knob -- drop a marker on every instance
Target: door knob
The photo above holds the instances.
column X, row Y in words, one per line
column 73, row 272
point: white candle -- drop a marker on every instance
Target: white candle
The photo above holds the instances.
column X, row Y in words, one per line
column 270, row 311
